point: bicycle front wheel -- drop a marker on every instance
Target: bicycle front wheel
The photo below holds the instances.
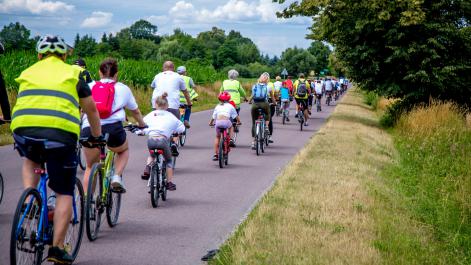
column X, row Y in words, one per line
column 221, row 151
column 113, row 207
column 94, row 203
column 24, row 246
column 73, row 238
column 2, row 187
column 81, row 157
column 154, row 185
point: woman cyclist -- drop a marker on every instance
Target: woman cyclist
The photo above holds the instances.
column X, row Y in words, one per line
column 260, row 95
column 161, row 125
column 222, row 118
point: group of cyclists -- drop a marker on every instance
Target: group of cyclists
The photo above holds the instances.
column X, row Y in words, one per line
column 61, row 103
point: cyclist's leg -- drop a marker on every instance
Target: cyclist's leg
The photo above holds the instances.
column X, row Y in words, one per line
column 272, row 113
column 118, row 144
column 31, row 161
column 122, row 158
column 175, row 113
column 267, row 111
column 62, row 169
column 92, row 156
column 187, row 113
column 306, row 111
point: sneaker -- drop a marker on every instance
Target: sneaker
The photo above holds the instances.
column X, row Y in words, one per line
column 253, row 146
column 59, row 256
column 117, row 184
column 236, row 129
column 296, row 115
column 174, row 149
column 232, row 143
column 270, row 141
column 171, row 186
column 305, row 124
column 187, row 124
column 215, row 157
column 146, row 174
column 287, row 119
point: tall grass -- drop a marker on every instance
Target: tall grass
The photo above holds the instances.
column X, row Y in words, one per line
column 434, row 176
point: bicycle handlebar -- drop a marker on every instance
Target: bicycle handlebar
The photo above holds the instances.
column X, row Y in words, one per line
column 101, row 143
column 4, row 121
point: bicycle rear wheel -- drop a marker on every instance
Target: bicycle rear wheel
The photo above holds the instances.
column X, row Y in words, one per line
column 182, row 138
column 2, row 187
column 261, row 137
column 94, row 206
column 113, row 207
column 73, row 238
column 221, row 151
column 163, row 184
column 154, row 185
column 24, row 248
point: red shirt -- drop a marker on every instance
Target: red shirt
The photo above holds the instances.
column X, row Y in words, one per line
column 289, row 85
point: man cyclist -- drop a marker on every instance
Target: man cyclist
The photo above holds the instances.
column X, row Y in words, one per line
column 301, row 93
column 4, row 104
column 237, row 92
column 329, row 87
column 47, row 108
column 83, row 67
column 190, row 86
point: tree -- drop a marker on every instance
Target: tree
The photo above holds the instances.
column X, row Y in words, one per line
column 143, row 29
column 321, row 52
column 414, row 50
column 15, row 36
column 297, row 60
column 85, row 46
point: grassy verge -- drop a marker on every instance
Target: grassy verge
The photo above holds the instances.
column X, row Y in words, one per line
column 320, row 210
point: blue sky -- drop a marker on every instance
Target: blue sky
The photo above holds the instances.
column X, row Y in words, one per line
column 255, row 19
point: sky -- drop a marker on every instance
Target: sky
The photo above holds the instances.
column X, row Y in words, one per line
column 255, row 19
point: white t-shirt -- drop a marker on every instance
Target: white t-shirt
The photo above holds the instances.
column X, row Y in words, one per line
column 318, row 88
column 162, row 122
column 169, row 82
column 329, row 86
column 123, row 98
column 226, row 110
column 277, row 86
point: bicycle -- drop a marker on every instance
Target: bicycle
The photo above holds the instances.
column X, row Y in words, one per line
column 32, row 229
column 278, row 108
column 318, row 103
column 260, row 133
column 328, row 100
column 285, row 112
column 236, row 131
column 81, row 157
column 301, row 115
column 182, row 136
column 99, row 196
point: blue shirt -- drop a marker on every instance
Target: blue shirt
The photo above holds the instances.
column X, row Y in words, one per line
column 284, row 93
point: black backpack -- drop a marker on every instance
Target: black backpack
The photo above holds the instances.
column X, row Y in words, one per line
column 302, row 89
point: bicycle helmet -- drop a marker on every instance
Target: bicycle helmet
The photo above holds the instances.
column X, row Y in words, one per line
column 181, row 69
column 224, row 96
column 51, row 44
column 81, row 62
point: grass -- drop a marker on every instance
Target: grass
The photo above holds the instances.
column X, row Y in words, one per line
column 320, row 210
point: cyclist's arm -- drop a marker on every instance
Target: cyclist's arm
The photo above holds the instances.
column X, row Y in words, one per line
column 185, row 92
column 241, row 91
column 89, row 107
column 137, row 115
column 5, row 105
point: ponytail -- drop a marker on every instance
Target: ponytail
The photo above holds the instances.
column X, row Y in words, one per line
column 161, row 101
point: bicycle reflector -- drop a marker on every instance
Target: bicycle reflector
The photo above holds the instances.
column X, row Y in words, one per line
column 159, row 151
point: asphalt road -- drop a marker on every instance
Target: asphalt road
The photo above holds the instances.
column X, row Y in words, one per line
column 208, row 205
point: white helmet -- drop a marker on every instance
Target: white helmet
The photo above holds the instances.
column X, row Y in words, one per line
column 52, row 44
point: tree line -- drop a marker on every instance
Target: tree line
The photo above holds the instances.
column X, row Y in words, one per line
column 214, row 47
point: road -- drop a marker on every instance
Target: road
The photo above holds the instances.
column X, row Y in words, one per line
column 208, row 205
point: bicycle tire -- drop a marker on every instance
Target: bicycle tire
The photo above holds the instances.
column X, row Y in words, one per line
column 113, row 208
column 79, row 202
column 221, row 151
column 94, row 205
column 182, row 138
column 24, row 236
column 262, row 137
column 284, row 118
column 2, row 188
column 81, row 157
column 163, row 185
column 257, row 145
column 154, row 185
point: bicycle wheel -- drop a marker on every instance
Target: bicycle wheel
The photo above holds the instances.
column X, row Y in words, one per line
column 163, row 185
column 154, row 185
column 284, row 117
column 257, row 146
column 94, row 204
column 261, row 137
column 81, row 157
column 1, row 187
column 74, row 235
column 182, row 138
column 221, row 151
column 113, row 207
column 24, row 248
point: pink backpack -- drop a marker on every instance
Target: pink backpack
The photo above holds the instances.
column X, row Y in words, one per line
column 103, row 94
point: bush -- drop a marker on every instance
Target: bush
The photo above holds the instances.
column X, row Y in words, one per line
column 371, row 99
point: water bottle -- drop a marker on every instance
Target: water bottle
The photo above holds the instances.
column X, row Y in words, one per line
column 51, row 205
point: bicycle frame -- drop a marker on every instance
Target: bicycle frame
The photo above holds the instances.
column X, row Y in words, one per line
column 107, row 159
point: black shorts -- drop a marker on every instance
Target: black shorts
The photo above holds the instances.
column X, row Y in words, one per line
column 61, row 164
column 300, row 101
column 117, row 135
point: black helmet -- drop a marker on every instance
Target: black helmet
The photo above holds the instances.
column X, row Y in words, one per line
column 81, row 62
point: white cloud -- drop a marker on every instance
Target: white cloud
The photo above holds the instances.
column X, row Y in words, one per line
column 97, row 19
column 35, row 6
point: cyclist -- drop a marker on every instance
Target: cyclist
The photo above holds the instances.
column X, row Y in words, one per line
column 272, row 103
column 260, row 97
column 83, row 67
column 161, row 125
column 285, row 95
column 47, row 107
column 233, row 86
column 310, row 97
column 318, row 90
column 190, row 86
column 4, row 104
column 112, row 115
column 222, row 118
column 329, row 87
column 289, row 84
column 302, row 90
column 277, row 86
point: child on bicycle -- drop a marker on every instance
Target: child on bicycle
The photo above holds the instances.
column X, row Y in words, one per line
column 222, row 118
column 161, row 125
column 284, row 98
